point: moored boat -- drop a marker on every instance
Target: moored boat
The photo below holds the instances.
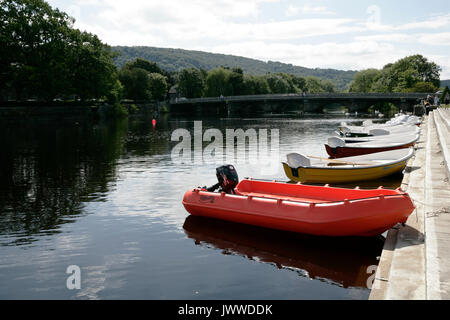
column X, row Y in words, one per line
column 392, row 137
column 338, row 148
column 373, row 131
column 314, row 210
column 310, row 169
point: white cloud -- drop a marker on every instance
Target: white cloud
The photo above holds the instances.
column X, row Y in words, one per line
column 292, row 11
column 308, row 9
column 434, row 22
column 348, row 56
column 163, row 23
column 431, row 39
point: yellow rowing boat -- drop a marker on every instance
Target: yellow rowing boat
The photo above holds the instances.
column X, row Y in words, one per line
column 360, row 168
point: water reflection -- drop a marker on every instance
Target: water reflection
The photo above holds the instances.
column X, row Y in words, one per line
column 341, row 261
column 107, row 196
column 48, row 169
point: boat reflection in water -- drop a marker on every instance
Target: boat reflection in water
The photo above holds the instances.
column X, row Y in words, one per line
column 340, row 261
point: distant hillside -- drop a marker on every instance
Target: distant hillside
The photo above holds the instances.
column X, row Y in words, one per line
column 177, row 59
column 445, row 83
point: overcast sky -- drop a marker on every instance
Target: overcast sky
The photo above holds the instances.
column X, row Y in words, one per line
column 340, row 34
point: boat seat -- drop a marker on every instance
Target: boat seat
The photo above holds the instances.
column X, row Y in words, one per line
column 296, row 160
column 345, row 129
column 335, row 142
column 367, row 123
column 379, row 132
column 283, row 197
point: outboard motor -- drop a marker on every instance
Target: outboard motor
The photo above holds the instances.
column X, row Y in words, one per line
column 228, row 179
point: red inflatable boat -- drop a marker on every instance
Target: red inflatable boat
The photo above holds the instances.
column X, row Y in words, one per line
column 316, row 210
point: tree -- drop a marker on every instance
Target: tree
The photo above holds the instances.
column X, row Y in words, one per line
column 426, row 71
column 136, row 83
column 217, row 83
column 93, row 71
column 158, row 86
column 299, row 82
column 426, row 87
column 364, row 80
column 150, row 67
column 117, row 92
column 313, row 85
column 43, row 56
column 144, row 80
column 255, row 85
column 191, row 83
column 327, row 86
column 236, row 80
column 292, row 87
column 277, row 84
column 410, row 74
column 33, row 39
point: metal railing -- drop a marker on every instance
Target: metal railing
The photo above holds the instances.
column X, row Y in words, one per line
column 294, row 96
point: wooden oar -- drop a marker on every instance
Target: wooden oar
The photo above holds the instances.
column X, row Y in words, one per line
column 342, row 162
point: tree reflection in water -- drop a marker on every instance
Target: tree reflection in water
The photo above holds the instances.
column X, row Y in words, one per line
column 48, row 168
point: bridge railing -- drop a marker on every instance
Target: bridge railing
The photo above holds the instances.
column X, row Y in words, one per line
column 304, row 96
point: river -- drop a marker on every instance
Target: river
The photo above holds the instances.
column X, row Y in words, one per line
column 106, row 197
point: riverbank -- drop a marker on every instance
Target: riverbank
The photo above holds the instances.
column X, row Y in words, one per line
column 415, row 262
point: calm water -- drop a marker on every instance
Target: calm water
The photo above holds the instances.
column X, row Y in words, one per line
column 107, row 198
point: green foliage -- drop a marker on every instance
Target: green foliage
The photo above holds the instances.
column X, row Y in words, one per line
column 236, row 80
column 217, row 83
column 119, row 110
column 164, row 108
column 364, row 80
column 136, row 83
column 313, row 85
column 43, row 56
column 144, row 80
column 444, row 94
column 277, row 84
column 134, row 109
column 150, row 67
column 299, row 82
column 386, row 108
column 255, row 85
column 116, row 92
column 224, row 81
column 191, row 82
column 425, row 87
column 410, row 74
column 287, row 83
column 328, row 86
column 158, row 86
column 173, row 60
column 94, row 73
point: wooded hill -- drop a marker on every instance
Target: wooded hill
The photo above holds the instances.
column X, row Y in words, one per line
column 178, row 59
column 445, row 83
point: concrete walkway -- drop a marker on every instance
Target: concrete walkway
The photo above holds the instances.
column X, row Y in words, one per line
column 415, row 263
